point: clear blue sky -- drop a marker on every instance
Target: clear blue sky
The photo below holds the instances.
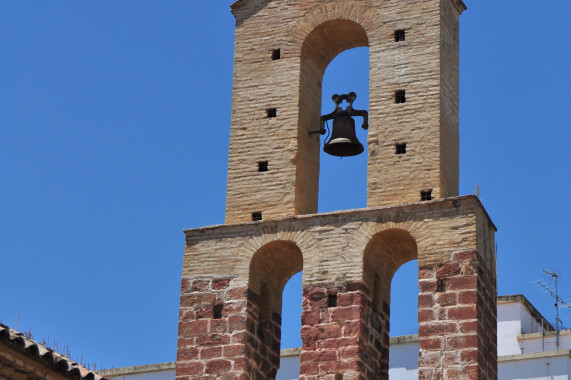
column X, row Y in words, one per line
column 114, row 128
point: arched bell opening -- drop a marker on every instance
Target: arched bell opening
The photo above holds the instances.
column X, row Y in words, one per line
column 320, row 47
column 270, row 269
column 343, row 181
column 385, row 253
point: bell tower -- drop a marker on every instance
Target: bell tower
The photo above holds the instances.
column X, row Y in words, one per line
column 234, row 274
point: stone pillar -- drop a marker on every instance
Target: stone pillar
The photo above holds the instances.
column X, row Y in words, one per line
column 457, row 319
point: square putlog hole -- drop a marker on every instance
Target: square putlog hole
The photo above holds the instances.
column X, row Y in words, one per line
column 272, row 112
column 263, row 166
column 400, row 148
column 217, row 311
column 332, row 300
column 426, row 195
column 256, row 216
column 400, row 96
column 400, row 35
column 276, row 54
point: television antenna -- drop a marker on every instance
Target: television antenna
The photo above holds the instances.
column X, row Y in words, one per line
column 558, row 301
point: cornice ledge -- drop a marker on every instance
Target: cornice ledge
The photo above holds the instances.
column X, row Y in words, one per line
column 458, row 4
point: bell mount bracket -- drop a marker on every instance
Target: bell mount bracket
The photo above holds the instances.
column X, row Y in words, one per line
column 338, row 111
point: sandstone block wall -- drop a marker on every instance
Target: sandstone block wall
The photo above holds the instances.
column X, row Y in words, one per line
column 308, row 35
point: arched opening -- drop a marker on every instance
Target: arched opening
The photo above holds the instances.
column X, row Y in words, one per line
column 291, row 328
column 343, row 181
column 291, row 312
column 404, row 346
column 385, row 253
column 270, row 269
column 404, row 297
column 321, row 46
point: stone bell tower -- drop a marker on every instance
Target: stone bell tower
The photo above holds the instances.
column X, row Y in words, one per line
column 234, row 274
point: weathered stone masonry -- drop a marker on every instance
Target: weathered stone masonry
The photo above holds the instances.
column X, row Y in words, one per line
column 234, row 274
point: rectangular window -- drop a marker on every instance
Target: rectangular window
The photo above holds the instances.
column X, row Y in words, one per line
column 399, row 35
column 400, row 96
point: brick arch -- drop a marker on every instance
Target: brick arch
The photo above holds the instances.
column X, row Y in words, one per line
column 270, row 268
column 385, row 253
column 269, row 234
column 428, row 246
column 329, row 39
column 367, row 16
column 275, row 263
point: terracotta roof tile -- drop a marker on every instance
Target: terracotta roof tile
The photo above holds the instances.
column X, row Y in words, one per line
column 17, row 341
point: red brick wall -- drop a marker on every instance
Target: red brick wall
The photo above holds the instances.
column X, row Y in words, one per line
column 349, row 339
column 457, row 328
column 237, row 345
column 457, row 324
column 209, row 347
column 263, row 349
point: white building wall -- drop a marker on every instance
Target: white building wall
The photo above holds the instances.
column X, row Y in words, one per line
column 535, row 368
column 538, row 342
column 289, row 368
column 509, row 327
column 403, row 361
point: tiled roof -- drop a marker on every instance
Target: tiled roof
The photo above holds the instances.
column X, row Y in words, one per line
column 17, row 341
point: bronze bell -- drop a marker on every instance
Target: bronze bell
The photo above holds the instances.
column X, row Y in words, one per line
column 343, row 141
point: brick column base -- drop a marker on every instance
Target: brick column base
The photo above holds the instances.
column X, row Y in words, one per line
column 212, row 333
column 343, row 337
column 457, row 314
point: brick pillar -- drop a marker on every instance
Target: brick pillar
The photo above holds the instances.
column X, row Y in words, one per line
column 212, row 337
column 263, row 338
column 346, row 339
column 457, row 314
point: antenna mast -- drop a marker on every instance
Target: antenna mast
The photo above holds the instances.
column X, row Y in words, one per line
column 555, row 294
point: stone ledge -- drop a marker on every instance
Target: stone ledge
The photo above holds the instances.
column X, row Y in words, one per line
column 404, row 339
column 538, row 335
column 138, row 369
column 535, row 355
column 357, row 213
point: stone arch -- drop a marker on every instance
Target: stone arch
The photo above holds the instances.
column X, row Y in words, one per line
column 270, row 268
column 319, row 48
